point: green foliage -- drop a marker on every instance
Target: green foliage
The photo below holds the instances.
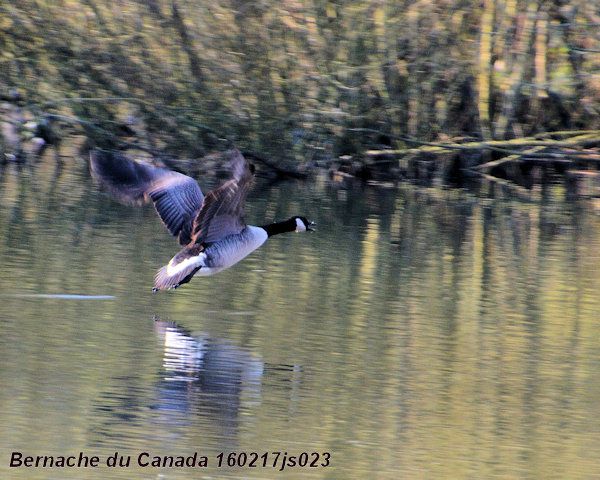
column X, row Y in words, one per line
column 295, row 80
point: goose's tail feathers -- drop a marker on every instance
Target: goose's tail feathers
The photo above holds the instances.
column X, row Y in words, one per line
column 173, row 275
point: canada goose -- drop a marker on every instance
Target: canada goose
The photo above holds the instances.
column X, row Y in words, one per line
column 211, row 229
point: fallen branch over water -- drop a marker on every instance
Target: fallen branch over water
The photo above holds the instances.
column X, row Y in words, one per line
column 585, row 138
column 517, row 163
column 510, row 158
column 279, row 171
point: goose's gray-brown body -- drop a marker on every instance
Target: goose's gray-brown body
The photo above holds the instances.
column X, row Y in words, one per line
column 211, row 228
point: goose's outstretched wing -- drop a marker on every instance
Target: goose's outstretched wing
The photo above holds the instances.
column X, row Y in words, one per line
column 222, row 211
column 176, row 197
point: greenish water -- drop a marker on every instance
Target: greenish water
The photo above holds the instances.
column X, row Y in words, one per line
column 420, row 333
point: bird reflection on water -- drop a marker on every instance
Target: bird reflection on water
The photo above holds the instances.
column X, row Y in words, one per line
column 205, row 376
column 206, row 387
column 213, row 378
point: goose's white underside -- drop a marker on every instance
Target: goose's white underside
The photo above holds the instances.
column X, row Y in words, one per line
column 223, row 254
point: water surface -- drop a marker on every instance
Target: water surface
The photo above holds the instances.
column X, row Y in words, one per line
column 420, row 333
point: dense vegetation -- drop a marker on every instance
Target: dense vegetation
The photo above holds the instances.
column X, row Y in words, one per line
column 304, row 80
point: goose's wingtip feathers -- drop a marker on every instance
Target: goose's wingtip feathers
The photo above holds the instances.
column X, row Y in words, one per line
column 125, row 179
column 176, row 197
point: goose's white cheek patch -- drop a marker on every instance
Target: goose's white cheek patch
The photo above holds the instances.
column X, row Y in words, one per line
column 300, row 227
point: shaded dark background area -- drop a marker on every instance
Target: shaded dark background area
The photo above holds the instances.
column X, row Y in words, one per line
column 304, row 81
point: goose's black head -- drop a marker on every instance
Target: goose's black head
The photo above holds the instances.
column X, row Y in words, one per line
column 293, row 224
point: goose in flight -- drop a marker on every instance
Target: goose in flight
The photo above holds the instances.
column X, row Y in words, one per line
column 210, row 228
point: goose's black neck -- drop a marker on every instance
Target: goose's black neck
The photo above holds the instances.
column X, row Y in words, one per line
column 280, row 227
